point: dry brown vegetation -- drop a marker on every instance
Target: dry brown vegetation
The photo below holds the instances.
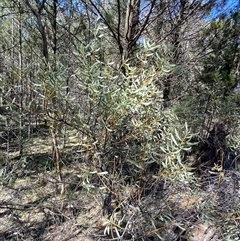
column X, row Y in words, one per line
column 31, row 207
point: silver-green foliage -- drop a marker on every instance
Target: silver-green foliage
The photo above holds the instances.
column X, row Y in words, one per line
column 121, row 115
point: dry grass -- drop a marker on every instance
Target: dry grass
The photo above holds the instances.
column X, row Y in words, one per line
column 31, row 207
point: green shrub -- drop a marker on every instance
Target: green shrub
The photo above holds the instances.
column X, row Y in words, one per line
column 125, row 130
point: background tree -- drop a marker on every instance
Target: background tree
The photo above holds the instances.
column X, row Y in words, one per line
column 177, row 28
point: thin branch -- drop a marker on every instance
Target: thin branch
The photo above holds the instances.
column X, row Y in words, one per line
column 118, row 28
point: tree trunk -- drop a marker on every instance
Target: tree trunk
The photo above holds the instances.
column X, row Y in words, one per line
column 20, row 82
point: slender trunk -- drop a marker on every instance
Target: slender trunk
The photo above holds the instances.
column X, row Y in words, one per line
column 54, row 130
column 57, row 159
column 131, row 27
column 20, row 83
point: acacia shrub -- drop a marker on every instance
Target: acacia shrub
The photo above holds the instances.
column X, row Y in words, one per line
column 125, row 130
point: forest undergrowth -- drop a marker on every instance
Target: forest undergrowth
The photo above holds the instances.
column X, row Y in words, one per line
column 99, row 206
